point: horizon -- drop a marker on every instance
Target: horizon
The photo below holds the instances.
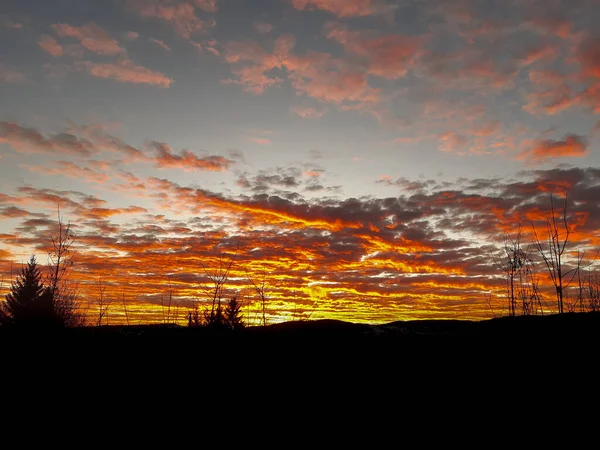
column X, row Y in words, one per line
column 362, row 158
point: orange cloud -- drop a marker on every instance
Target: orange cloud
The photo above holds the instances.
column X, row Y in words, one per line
column 160, row 44
column 388, row 56
column 12, row 212
column 49, row 44
column 453, row 142
column 544, row 150
column 341, row 8
column 181, row 17
column 71, row 170
column 317, row 75
column 91, row 36
column 126, row 71
column 589, row 56
column 187, row 160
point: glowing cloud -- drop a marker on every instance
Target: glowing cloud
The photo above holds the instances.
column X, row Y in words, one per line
column 571, row 146
column 126, row 71
column 187, row 160
column 91, row 36
column 49, row 44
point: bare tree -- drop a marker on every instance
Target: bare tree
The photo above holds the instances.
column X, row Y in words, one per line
column 521, row 282
column 64, row 293
column 263, row 289
column 553, row 253
column 125, row 308
column 592, row 287
column 102, row 302
column 218, row 277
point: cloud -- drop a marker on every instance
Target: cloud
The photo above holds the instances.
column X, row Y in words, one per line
column 161, row 44
column 207, row 5
column 9, row 23
column 308, row 112
column 317, row 75
column 571, row 146
column 12, row 212
column 125, row 71
column 343, row 8
column 49, row 44
column 91, row 36
column 259, row 141
column 418, row 251
column 187, row 160
column 132, row 35
column 71, row 170
column 266, row 180
column 386, row 56
column 29, row 140
column 180, row 16
column 11, row 75
column 453, row 142
column 263, row 27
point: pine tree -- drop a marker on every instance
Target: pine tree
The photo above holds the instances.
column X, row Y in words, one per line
column 28, row 302
column 232, row 316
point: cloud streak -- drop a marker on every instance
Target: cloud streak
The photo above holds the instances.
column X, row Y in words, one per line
column 125, row 71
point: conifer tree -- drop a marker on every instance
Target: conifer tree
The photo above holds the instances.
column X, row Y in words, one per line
column 28, row 301
column 233, row 317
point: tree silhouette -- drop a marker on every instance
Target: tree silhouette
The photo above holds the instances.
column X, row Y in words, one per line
column 232, row 315
column 64, row 293
column 29, row 302
column 558, row 232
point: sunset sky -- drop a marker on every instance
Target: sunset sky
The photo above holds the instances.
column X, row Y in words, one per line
column 364, row 157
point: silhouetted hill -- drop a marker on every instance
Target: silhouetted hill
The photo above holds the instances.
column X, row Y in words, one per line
column 570, row 324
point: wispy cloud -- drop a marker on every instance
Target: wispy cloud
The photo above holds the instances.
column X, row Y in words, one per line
column 180, row 16
column 29, row 140
column 125, row 71
column 343, row 8
column 160, row 44
column 91, row 36
column 188, row 161
column 9, row 74
column 308, row 112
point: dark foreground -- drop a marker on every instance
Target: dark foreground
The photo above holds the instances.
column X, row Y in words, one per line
column 316, row 336
column 305, row 361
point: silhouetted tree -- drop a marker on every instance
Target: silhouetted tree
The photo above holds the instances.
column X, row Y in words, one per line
column 103, row 302
column 263, row 289
column 232, row 316
column 64, row 293
column 218, row 277
column 29, row 302
column 557, row 236
column 215, row 318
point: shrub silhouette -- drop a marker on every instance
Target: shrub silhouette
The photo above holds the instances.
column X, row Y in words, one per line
column 228, row 318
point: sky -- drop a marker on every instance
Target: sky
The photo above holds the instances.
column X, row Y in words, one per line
column 361, row 158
